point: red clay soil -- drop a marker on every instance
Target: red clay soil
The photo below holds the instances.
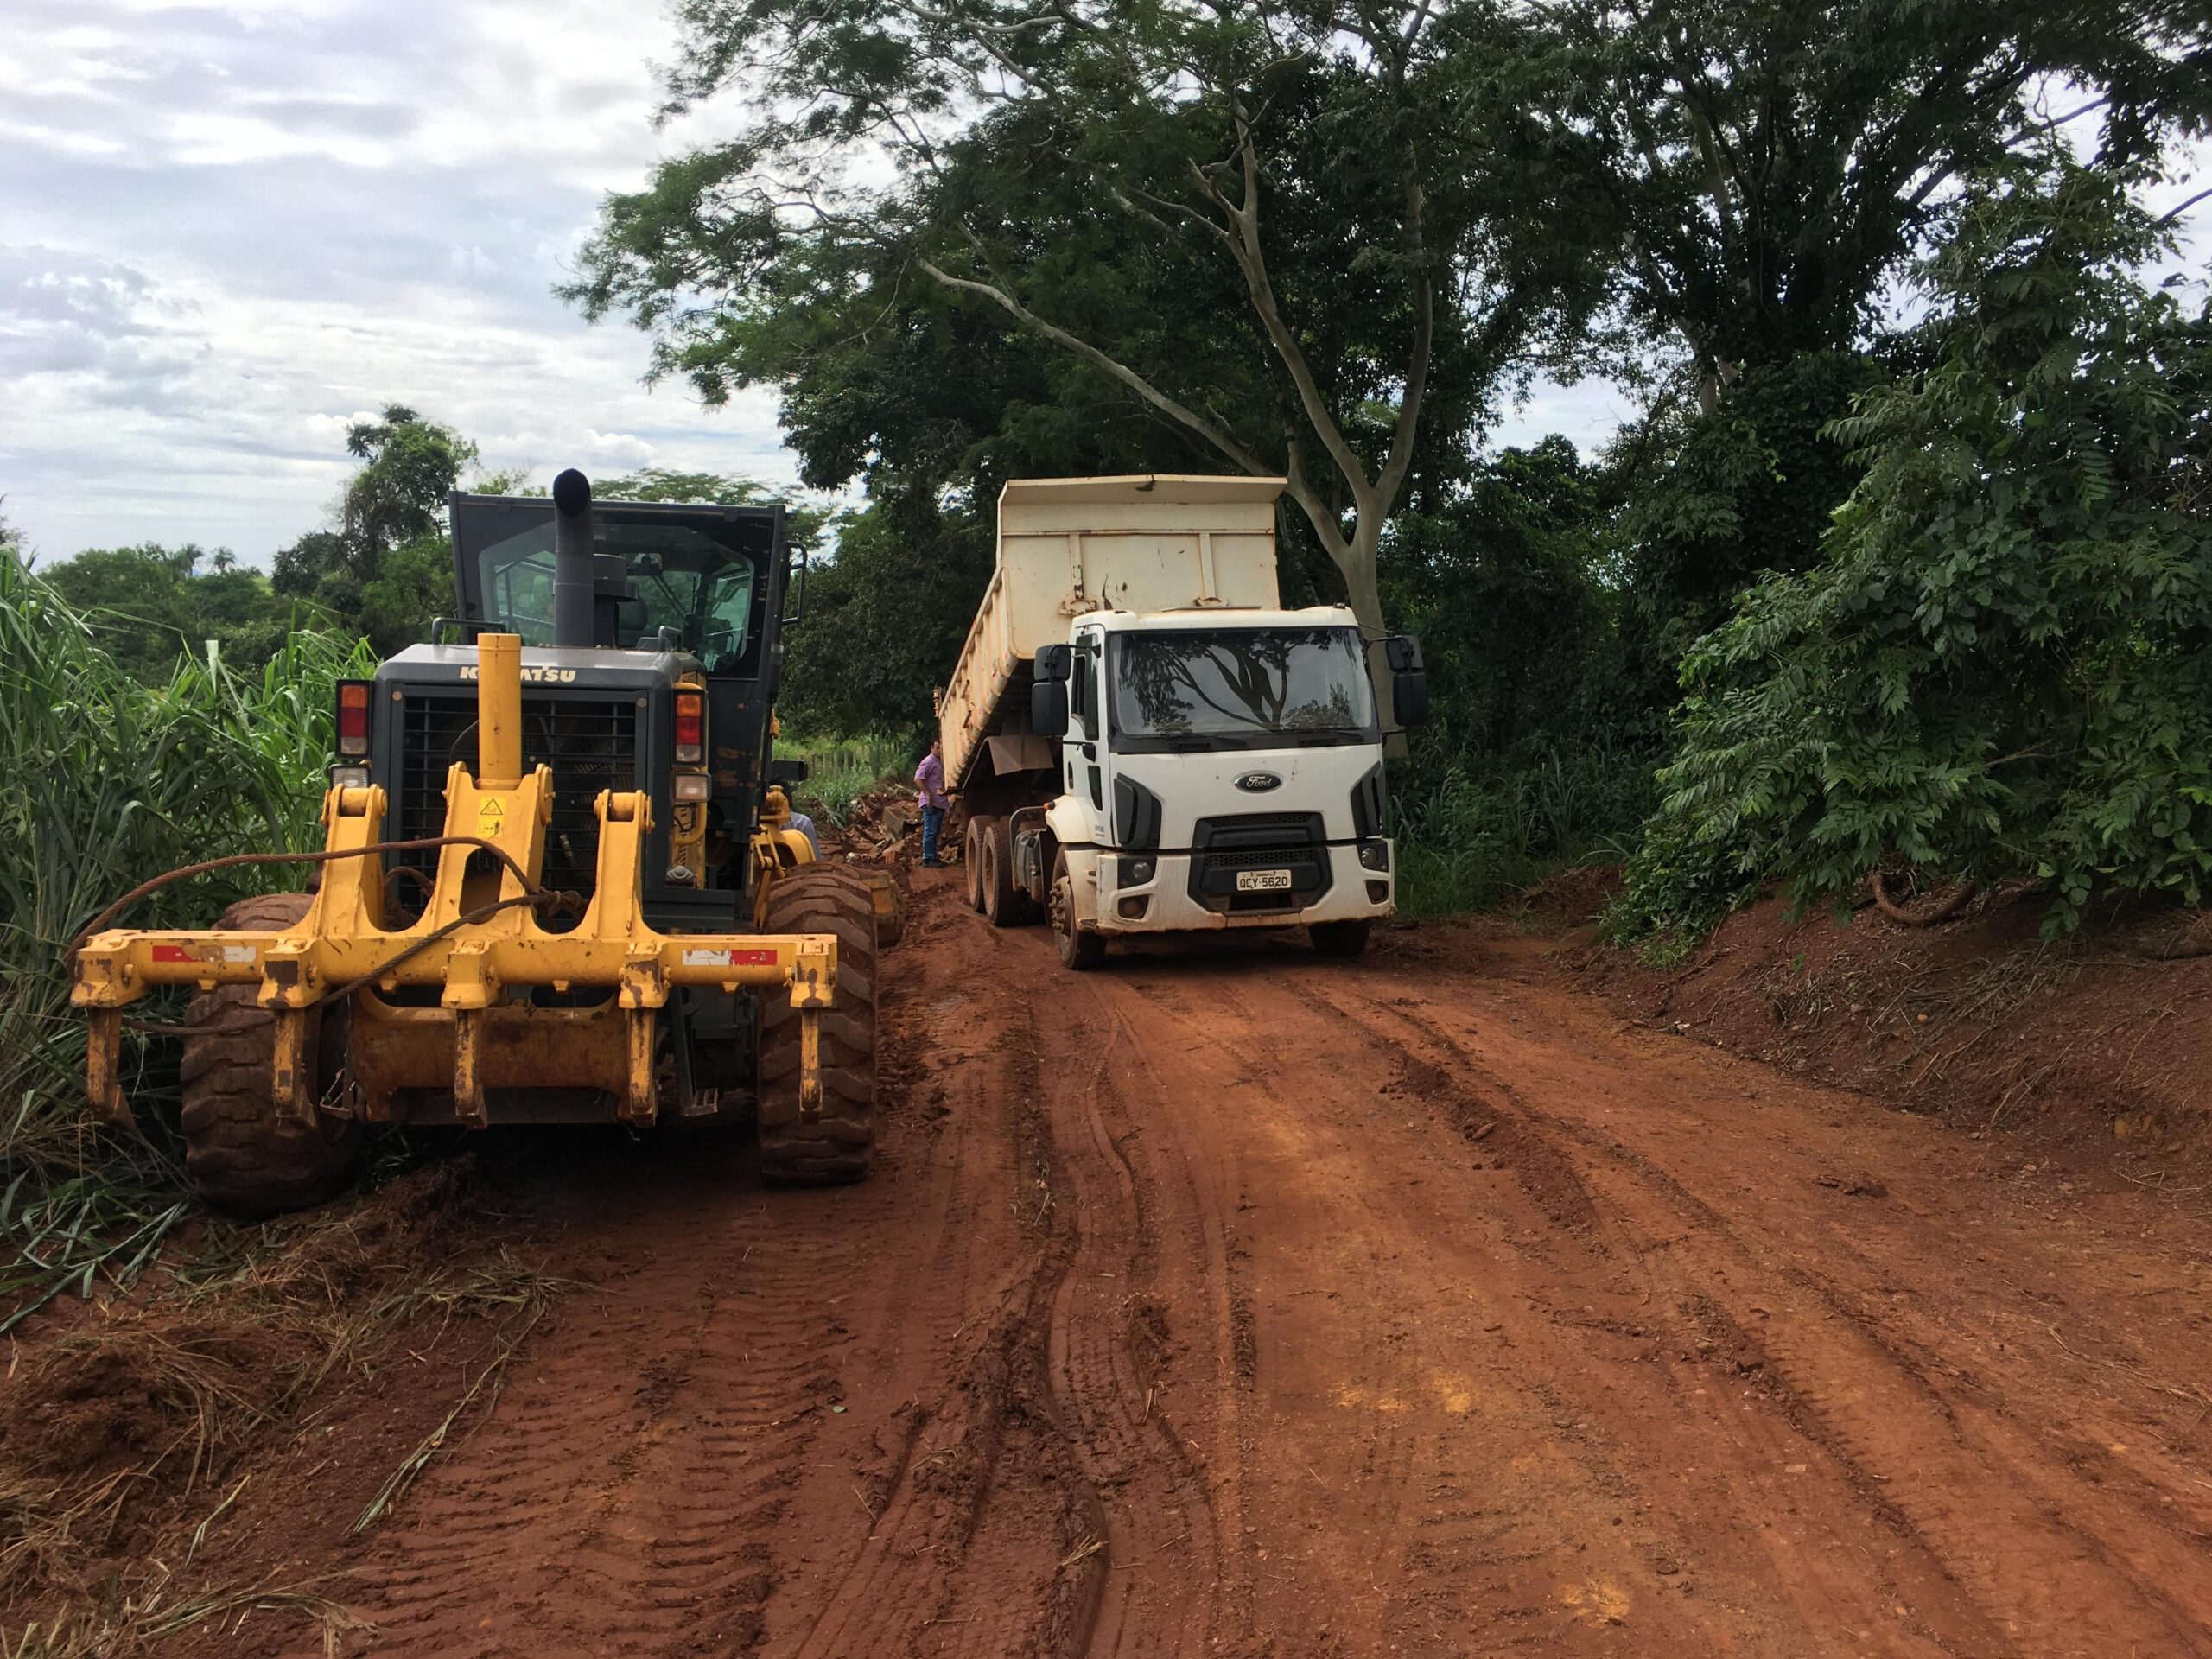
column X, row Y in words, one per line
column 2081, row 1046
column 1239, row 1302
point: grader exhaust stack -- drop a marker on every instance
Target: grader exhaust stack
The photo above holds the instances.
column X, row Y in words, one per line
column 480, row 995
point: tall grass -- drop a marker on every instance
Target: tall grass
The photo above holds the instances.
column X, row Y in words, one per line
column 105, row 782
column 1480, row 832
column 840, row 770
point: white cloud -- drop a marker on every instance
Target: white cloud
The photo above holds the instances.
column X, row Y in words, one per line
column 234, row 229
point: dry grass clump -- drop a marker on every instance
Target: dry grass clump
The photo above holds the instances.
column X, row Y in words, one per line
column 125, row 1441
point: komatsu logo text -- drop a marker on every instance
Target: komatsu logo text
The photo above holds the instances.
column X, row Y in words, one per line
column 534, row 676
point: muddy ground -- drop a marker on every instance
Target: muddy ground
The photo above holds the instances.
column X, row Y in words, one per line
column 1237, row 1302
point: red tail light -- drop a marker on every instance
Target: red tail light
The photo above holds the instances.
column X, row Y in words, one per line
column 352, row 717
column 690, row 728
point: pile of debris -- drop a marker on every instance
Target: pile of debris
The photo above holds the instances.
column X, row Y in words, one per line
column 885, row 827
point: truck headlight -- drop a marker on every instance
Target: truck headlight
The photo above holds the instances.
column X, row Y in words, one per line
column 349, row 776
column 1134, row 873
column 1375, row 855
column 690, row 785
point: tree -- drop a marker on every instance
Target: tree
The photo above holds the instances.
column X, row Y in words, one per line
column 1771, row 168
column 1771, row 171
column 1269, row 230
column 1512, row 585
column 150, row 603
column 884, row 621
column 2002, row 663
column 409, row 466
column 386, row 566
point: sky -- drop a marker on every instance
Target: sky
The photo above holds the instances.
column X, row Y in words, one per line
column 227, row 231
column 230, row 229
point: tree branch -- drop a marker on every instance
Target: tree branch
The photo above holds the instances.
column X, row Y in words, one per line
column 1251, row 260
column 1112, row 367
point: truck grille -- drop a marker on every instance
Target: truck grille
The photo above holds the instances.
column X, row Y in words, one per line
column 1222, row 847
column 590, row 743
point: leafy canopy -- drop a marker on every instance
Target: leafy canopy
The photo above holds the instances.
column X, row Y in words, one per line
column 2002, row 663
column 1269, row 232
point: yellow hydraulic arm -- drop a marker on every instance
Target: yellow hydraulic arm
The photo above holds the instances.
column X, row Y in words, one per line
column 478, row 940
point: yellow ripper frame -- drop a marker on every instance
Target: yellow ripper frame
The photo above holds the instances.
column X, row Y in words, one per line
column 479, row 1036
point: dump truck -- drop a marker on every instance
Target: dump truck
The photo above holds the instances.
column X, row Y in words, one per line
column 560, row 882
column 1146, row 743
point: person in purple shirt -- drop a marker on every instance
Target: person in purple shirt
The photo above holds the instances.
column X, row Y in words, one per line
column 929, row 784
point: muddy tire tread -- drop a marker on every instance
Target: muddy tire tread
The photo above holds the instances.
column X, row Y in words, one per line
column 839, row 1147
column 239, row 1152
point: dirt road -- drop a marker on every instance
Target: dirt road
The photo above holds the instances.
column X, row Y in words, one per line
column 1253, row 1304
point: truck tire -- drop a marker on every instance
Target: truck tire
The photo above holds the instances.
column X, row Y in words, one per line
column 1001, row 903
column 1079, row 951
column 971, row 862
column 240, row 1151
column 837, row 1145
column 1340, row 939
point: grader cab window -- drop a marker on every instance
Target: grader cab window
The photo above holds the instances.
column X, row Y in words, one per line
column 701, row 592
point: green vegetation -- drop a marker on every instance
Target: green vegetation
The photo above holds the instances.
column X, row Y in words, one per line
column 2002, row 661
column 840, row 770
column 104, row 781
column 385, row 567
column 153, row 604
column 1335, row 241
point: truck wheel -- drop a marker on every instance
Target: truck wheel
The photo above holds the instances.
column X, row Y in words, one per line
column 1000, row 902
column 837, row 1145
column 1079, row 950
column 240, row 1151
column 972, row 861
column 1340, row 939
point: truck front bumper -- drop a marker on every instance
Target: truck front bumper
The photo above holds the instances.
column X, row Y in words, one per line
column 1168, row 901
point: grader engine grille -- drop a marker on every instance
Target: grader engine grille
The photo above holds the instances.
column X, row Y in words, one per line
column 590, row 743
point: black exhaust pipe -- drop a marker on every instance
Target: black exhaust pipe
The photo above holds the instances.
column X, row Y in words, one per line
column 576, row 593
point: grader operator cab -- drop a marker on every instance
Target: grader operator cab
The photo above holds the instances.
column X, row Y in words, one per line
column 560, row 883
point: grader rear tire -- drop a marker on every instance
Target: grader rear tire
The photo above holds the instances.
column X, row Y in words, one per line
column 240, row 1151
column 838, row 1145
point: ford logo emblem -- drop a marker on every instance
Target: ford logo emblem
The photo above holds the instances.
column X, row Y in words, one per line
column 1255, row 782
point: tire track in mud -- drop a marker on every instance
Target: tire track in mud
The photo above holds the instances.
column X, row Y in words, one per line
column 2019, row 1532
column 1500, row 1497
column 665, row 1417
column 1160, row 1549
column 983, row 1450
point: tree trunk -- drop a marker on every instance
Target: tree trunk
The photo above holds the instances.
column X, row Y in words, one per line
column 1358, row 563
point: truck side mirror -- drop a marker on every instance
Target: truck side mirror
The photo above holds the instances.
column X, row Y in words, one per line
column 1409, row 680
column 1409, row 697
column 1048, row 706
column 1053, row 664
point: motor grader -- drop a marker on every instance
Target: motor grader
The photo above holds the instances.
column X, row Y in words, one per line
column 561, row 880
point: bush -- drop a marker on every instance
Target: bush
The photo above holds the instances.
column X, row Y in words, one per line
column 104, row 783
column 840, row 770
column 2003, row 664
column 1483, row 830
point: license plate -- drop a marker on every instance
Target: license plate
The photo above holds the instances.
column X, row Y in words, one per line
column 1262, row 880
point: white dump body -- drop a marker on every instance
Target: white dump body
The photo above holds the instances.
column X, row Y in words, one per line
column 1152, row 542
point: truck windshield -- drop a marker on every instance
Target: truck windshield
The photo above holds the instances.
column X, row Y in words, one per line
column 698, row 589
column 1234, row 683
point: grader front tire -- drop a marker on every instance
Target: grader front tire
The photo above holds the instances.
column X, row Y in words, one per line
column 240, row 1150
column 838, row 1145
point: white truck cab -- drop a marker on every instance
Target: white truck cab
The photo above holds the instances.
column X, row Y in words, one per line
column 1157, row 767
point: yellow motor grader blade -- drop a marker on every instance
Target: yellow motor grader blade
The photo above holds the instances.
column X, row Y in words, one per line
column 478, row 941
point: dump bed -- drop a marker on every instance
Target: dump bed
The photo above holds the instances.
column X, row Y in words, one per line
column 1153, row 541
